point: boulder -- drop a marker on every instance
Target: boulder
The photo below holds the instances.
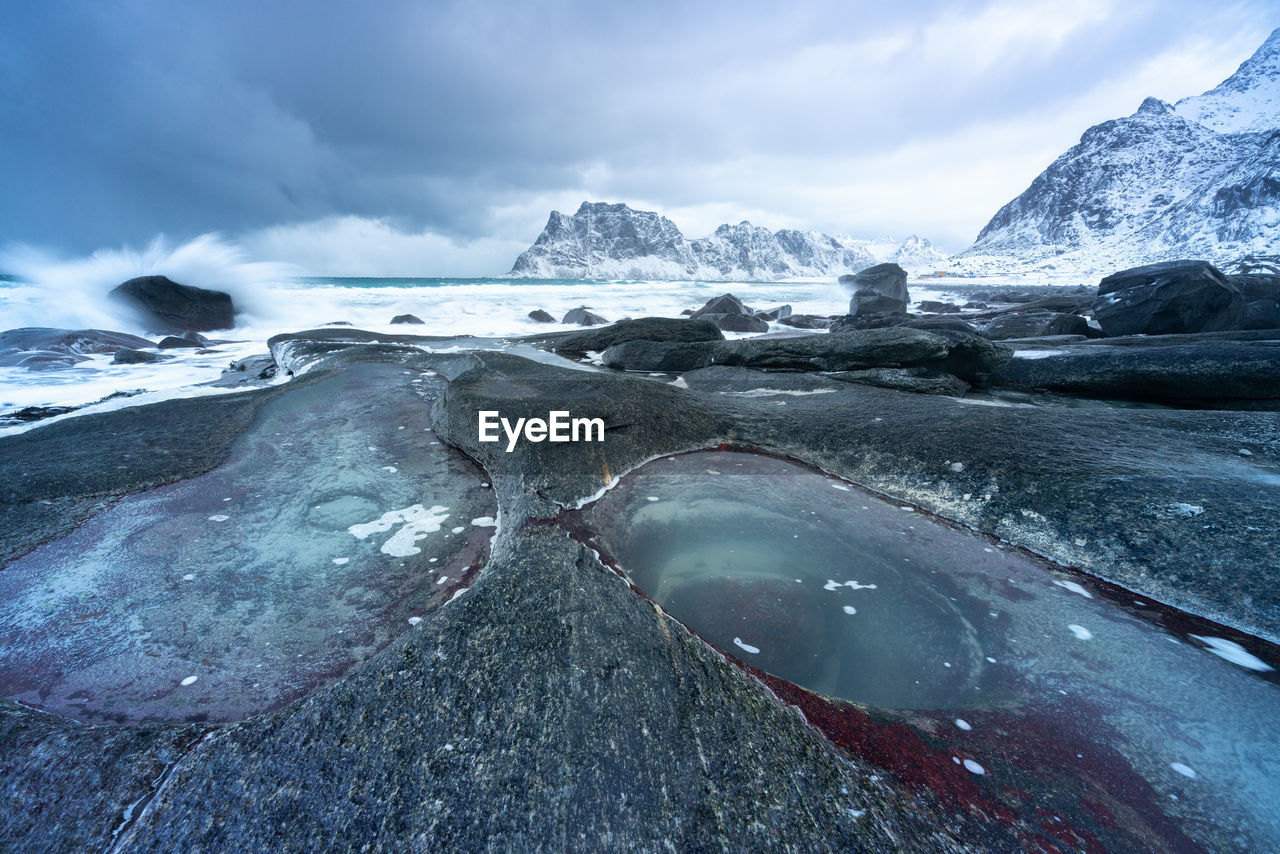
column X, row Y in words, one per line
column 966, row 356
column 737, row 322
column 42, row 348
column 723, row 305
column 933, row 324
column 1168, row 298
column 878, row 290
column 776, row 313
column 641, row 329
column 173, row 342
column 167, row 306
column 665, row 356
column 582, row 317
column 38, row 360
column 541, row 316
column 805, row 321
column 1032, row 324
column 72, row 341
column 867, row 320
column 935, row 307
column 1209, row 369
column 138, row 357
column 1261, row 300
column 406, row 318
column 919, row 380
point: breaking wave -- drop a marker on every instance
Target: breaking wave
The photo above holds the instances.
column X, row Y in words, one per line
column 72, row 293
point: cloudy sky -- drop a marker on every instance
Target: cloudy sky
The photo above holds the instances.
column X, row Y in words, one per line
column 397, row 138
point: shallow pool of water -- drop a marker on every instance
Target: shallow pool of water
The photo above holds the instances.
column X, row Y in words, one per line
column 821, row 583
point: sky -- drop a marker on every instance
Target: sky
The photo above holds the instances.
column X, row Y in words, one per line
column 414, row 139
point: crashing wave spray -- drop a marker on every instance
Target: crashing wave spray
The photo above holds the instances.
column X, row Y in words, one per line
column 73, row 293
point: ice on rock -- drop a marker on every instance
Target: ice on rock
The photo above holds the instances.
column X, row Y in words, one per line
column 746, row 647
column 849, row 609
column 963, row 724
column 974, row 767
column 1073, row 587
column 219, row 518
column 190, row 680
column 1233, row 652
column 1184, row 770
column 416, row 522
column 1080, row 632
column 484, row 522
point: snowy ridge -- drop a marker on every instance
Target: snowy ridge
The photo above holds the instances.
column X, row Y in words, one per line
column 613, row 241
column 1200, row 180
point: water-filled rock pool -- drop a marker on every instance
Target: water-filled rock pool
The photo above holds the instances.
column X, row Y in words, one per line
column 1023, row 673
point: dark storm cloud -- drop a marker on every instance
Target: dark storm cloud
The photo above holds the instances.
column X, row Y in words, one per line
column 119, row 120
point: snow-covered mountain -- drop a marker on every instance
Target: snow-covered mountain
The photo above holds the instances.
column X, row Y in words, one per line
column 1199, row 180
column 613, row 241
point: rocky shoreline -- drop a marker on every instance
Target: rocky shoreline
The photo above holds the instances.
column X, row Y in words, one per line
column 547, row 705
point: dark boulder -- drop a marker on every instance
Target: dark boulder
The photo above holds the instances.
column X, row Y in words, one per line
column 965, row 356
column 541, row 316
column 880, row 289
column 138, row 357
column 1261, row 300
column 665, row 356
column 805, row 321
column 867, row 320
column 1033, row 324
column 737, row 322
column 935, row 307
column 582, row 317
column 838, row 351
column 167, row 306
column 933, row 324
column 1189, row 369
column 400, row 319
column 339, row 323
column 173, row 342
column 38, row 360
column 1169, row 298
column 972, row 358
column 640, row 329
column 919, row 380
column 722, row 305
column 74, row 341
column 44, row 349
column 776, row 313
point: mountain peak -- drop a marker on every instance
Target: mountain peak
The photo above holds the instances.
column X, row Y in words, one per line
column 1247, row 101
column 614, row 241
column 1154, row 107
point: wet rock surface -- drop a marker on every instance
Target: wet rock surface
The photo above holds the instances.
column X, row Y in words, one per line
column 521, row 714
column 1178, row 369
column 222, row 596
column 957, row 353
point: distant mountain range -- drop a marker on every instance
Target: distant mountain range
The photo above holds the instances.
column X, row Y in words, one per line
column 1197, row 179
column 613, row 241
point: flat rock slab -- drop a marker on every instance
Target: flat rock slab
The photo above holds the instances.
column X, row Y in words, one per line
column 1210, row 370
column 234, row 592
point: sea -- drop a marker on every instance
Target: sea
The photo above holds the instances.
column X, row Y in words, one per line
column 484, row 308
